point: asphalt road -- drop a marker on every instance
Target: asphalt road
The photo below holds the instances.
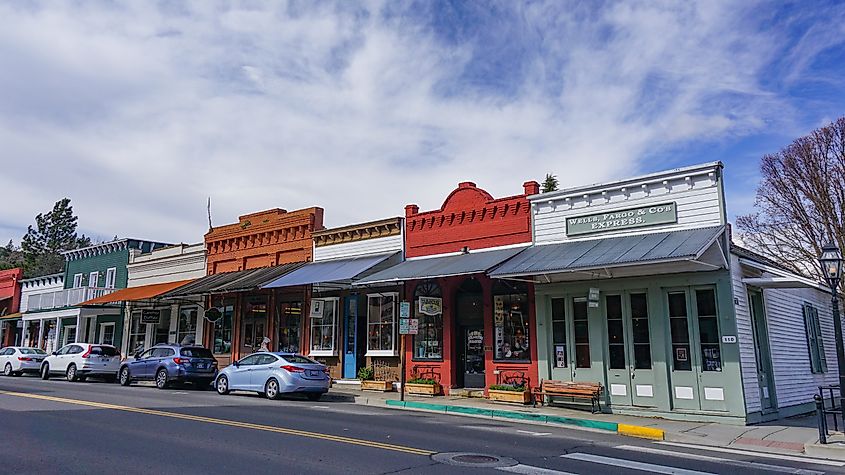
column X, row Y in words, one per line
column 94, row 428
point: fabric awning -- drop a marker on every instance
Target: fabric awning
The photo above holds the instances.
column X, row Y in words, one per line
column 601, row 254
column 238, row 281
column 445, row 266
column 142, row 292
column 334, row 270
column 11, row 316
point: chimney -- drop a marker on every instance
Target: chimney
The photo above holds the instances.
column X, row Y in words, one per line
column 531, row 187
column 411, row 210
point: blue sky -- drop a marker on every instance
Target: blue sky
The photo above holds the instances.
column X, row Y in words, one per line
column 139, row 112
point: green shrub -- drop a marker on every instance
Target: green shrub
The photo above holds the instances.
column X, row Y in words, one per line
column 366, row 373
column 422, row 381
column 507, row 387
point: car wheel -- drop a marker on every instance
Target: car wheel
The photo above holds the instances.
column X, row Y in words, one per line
column 45, row 372
column 161, row 379
column 313, row 396
column 271, row 389
column 70, row 374
column 124, row 376
column 222, row 385
column 7, row 370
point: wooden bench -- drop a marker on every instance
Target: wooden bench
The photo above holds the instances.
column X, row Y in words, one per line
column 551, row 388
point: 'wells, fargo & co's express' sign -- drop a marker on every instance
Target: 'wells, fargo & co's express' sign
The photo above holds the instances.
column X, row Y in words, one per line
column 651, row 215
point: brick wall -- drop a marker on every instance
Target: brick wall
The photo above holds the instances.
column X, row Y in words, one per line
column 470, row 217
column 10, row 290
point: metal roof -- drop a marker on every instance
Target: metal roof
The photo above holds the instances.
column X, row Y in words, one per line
column 132, row 294
column 445, row 266
column 610, row 252
column 334, row 270
column 239, row 281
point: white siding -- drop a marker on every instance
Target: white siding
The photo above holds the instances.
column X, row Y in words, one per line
column 698, row 202
column 382, row 245
column 37, row 286
column 170, row 264
column 794, row 381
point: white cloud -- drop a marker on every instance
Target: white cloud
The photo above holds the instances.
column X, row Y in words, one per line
column 138, row 114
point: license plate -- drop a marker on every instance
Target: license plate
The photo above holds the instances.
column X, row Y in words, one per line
column 311, row 372
column 202, row 365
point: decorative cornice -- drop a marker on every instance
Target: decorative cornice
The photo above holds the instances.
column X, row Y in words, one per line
column 266, row 228
column 359, row 232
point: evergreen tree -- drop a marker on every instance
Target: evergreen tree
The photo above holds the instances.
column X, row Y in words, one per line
column 54, row 232
column 10, row 256
column 550, row 183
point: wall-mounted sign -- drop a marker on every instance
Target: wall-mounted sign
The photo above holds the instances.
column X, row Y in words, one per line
column 405, row 310
column 317, row 308
column 728, row 339
column 560, row 356
column 212, row 314
column 431, row 305
column 150, row 316
column 409, row 326
column 665, row 213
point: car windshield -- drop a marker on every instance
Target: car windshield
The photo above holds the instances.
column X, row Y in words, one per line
column 104, row 351
column 299, row 359
column 198, row 352
column 32, row 351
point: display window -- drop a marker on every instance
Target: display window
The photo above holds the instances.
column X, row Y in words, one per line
column 381, row 324
column 323, row 315
column 510, row 321
column 428, row 308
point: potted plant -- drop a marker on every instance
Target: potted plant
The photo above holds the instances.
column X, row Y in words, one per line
column 509, row 393
column 423, row 386
column 368, row 382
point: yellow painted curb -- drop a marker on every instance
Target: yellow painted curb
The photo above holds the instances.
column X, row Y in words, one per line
column 640, row 431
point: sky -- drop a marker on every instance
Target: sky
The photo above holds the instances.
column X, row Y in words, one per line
column 142, row 111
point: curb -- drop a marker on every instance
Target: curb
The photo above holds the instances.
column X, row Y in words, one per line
column 621, row 429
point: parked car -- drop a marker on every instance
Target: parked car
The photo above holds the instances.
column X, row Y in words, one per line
column 272, row 374
column 16, row 360
column 169, row 363
column 77, row 361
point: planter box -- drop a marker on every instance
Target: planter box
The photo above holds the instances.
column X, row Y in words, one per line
column 423, row 389
column 371, row 385
column 519, row 397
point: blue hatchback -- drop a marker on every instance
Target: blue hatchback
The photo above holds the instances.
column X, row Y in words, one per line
column 168, row 363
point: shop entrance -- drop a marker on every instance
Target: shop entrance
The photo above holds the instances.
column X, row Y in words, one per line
column 470, row 345
column 629, row 363
column 254, row 327
column 571, row 346
column 696, row 350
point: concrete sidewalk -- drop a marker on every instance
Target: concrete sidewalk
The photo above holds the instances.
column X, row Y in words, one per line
column 787, row 436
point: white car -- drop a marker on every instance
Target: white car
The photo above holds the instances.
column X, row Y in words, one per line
column 19, row 359
column 271, row 374
column 77, row 361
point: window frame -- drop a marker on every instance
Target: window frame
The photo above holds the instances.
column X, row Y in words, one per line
column 323, row 352
column 502, row 291
column 78, row 280
column 218, row 327
column 93, row 278
column 102, row 332
column 393, row 351
column 815, row 339
column 435, row 291
column 111, row 278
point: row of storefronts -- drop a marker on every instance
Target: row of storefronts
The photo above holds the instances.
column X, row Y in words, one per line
column 634, row 284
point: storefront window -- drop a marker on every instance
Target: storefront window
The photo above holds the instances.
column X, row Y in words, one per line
column 381, row 323
column 137, row 333
column 615, row 331
column 708, row 330
column 582, row 333
column 559, row 333
column 323, row 313
column 428, row 308
column 290, row 322
column 639, row 321
column 679, row 327
column 186, row 331
column 222, row 343
column 510, row 321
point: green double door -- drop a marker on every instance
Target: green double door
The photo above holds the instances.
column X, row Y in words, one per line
column 574, row 354
column 630, row 376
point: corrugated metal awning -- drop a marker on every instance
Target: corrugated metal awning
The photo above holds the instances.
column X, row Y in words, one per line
column 660, row 247
column 445, row 266
column 239, row 281
column 131, row 294
column 334, row 270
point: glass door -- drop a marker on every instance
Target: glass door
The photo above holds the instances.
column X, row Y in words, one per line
column 254, row 327
column 576, row 358
column 629, row 371
column 290, row 324
column 474, row 357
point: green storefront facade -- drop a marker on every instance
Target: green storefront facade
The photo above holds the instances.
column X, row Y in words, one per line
column 637, row 289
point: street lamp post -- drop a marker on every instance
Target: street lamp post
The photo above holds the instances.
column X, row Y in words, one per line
column 831, row 263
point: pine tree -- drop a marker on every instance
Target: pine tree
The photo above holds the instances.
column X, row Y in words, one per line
column 10, row 256
column 54, row 232
column 550, row 183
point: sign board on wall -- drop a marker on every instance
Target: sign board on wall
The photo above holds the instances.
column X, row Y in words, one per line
column 150, row 316
column 316, row 308
column 431, row 305
column 405, row 310
column 409, row 326
column 665, row 213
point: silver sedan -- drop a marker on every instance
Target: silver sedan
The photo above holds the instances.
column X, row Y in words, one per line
column 272, row 374
column 15, row 360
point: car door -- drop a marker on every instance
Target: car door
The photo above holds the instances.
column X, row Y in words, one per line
column 239, row 376
column 62, row 358
column 261, row 371
column 4, row 356
column 157, row 360
column 137, row 366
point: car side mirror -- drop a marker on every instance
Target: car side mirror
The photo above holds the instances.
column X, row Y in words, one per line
column 237, row 364
column 54, row 353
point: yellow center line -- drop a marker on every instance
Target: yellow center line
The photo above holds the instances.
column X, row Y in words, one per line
column 225, row 422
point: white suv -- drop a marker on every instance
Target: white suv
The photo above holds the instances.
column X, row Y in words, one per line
column 76, row 361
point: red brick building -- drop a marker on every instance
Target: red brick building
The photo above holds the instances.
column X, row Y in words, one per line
column 10, row 301
column 474, row 331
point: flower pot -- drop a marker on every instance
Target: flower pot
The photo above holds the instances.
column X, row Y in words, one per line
column 423, row 389
column 518, row 397
column 373, row 385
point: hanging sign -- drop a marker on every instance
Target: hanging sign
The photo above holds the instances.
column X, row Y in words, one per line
column 150, row 316
column 405, row 310
column 431, row 305
column 317, row 308
column 665, row 213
